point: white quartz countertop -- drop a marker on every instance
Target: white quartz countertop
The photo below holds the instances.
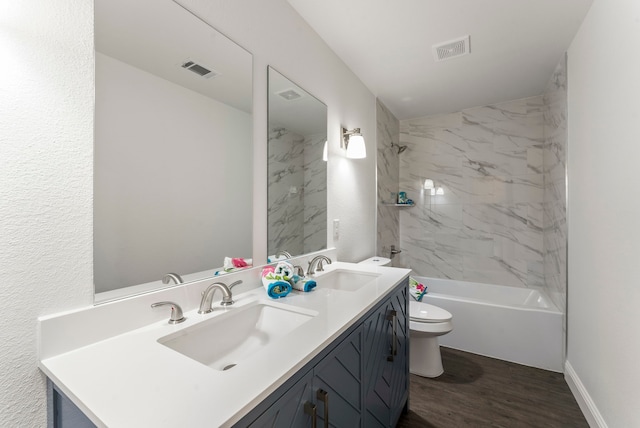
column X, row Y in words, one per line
column 132, row 380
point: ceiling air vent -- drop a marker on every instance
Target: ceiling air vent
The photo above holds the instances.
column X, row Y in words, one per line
column 451, row 49
column 289, row 94
column 199, row 69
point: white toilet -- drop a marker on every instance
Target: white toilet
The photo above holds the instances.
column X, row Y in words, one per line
column 426, row 323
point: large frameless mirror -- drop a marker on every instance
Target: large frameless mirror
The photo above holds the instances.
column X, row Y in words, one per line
column 173, row 147
column 297, row 169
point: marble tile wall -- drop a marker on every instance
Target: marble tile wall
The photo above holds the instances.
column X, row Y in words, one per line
column 488, row 225
column 554, row 205
column 388, row 176
column 297, row 192
column 285, row 210
column 315, row 194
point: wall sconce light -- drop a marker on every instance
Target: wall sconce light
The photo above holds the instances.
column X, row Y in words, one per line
column 428, row 184
column 431, row 186
column 325, row 152
column 354, row 143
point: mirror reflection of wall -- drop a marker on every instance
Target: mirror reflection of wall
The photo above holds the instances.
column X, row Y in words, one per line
column 297, row 173
column 173, row 146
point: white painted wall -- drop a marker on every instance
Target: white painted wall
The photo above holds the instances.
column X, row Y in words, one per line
column 603, row 211
column 46, row 160
column 173, row 178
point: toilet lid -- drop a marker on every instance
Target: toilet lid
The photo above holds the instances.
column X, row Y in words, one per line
column 424, row 312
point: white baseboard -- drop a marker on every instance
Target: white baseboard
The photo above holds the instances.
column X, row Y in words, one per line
column 588, row 407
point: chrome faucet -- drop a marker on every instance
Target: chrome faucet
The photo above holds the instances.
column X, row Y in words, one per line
column 283, row 253
column 207, row 297
column 317, row 261
column 172, row 277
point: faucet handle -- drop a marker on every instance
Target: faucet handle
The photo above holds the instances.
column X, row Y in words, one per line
column 176, row 311
column 320, row 267
column 233, row 284
column 299, row 270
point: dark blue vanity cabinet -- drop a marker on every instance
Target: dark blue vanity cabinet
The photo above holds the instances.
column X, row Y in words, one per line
column 331, row 390
column 386, row 368
column 65, row 413
column 361, row 380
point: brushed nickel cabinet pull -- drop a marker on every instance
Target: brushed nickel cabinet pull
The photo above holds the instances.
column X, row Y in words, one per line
column 310, row 409
column 324, row 396
column 392, row 316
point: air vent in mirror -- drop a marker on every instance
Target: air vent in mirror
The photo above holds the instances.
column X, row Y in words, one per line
column 199, row 69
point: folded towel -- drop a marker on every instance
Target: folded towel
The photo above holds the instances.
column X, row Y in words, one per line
column 232, row 264
column 274, row 258
column 276, row 283
column 416, row 289
column 302, row 284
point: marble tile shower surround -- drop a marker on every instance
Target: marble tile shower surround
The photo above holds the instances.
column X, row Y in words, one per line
column 388, row 176
column 554, row 204
column 315, row 194
column 488, row 225
column 297, row 186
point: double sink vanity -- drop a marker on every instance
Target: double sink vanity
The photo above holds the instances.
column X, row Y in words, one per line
column 248, row 364
column 338, row 353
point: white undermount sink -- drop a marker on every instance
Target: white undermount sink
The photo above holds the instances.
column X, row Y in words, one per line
column 345, row 280
column 228, row 339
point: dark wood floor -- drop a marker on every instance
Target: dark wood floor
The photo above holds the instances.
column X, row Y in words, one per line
column 478, row 391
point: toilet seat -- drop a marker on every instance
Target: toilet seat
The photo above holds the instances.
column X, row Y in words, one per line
column 426, row 313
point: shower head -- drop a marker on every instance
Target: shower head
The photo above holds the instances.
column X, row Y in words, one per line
column 400, row 148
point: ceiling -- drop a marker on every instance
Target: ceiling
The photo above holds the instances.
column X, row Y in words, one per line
column 515, row 46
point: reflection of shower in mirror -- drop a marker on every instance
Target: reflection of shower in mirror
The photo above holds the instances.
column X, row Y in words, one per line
column 400, row 148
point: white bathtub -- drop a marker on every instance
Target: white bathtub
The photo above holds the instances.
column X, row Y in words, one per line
column 513, row 324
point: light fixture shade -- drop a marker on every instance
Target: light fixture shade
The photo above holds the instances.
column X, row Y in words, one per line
column 325, row 152
column 356, row 148
column 428, row 184
column 439, row 191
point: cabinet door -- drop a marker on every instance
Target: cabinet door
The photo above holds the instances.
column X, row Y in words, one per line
column 377, row 370
column 399, row 380
column 289, row 410
column 337, row 384
column 386, row 370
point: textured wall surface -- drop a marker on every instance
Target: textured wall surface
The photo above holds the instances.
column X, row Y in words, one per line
column 388, row 178
column 487, row 226
column 46, row 161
